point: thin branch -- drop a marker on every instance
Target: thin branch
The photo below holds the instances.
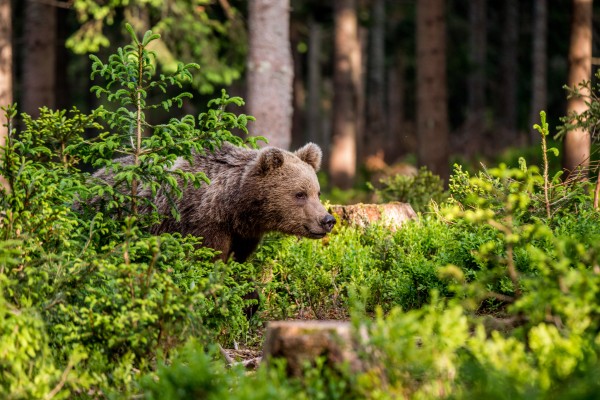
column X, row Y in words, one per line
column 227, row 8
column 230, row 361
column 499, row 296
column 63, row 380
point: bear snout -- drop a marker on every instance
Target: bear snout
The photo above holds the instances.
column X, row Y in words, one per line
column 328, row 222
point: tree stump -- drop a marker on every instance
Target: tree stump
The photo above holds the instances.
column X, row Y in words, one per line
column 392, row 215
column 301, row 342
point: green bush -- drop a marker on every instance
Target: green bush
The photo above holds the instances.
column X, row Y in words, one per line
column 419, row 190
column 493, row 294
column 97, row 297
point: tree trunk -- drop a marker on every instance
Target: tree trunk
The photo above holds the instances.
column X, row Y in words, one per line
column 393, row 215
column 270, row 70
column 510, row 70
column 6, row 73
column 375, row 118
column 432, row 108
column 63, row 93
column 475, row 119
column 346, row 87
column 400, row 140
column 302, row 342
column 39, row 57
column 299, row 90
column 539, row 62
column 577, row 141
column 313, row 103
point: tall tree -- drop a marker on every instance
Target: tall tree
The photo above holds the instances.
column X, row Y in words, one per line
column 39, row 57
column 475, row 119
column 298, row 85
column 539, row 60
column 313, row 98
column 270, row 70
column 510, row 70
column 6, row 75
column 346, row 88
column 577, row 142
column 375, row 118
column 432, row 108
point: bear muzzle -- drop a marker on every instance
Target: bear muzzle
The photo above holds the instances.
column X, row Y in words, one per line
column 328, row 222
column 324, row 226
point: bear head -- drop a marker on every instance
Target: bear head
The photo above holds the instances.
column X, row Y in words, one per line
column 286, row 190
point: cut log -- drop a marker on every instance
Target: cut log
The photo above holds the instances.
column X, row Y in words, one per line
column 302, row 342
column 392, row 215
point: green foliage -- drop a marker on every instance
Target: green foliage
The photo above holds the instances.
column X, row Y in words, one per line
column 492, row 295
column 91, row 298
column 152, row 150
column 419, row 190
column 196, row 31
column 314, row 278
column 589, row 119
column 195, row 373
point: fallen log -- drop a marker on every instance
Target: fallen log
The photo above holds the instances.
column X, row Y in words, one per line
column 302, row 342
column 392, row 215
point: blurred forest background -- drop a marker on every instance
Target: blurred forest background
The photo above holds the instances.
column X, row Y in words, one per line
column 376, row 83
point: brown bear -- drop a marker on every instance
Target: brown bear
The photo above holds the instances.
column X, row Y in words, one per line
column 251, row 192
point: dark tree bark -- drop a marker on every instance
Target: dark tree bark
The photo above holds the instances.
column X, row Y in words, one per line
column 6, row 72
column 475, row 121
column 401, row 137
column 375, row 118
column 39, row 57
column 270, row 70
column 510, row 71
column 577, row 142
column 299, row 90
column 346, row 88
column 313, row 101
column 63, row 92
column 432, row 108
column 539, row 60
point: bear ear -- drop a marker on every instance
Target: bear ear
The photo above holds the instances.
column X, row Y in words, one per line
column 310, row 154
column 269, row 159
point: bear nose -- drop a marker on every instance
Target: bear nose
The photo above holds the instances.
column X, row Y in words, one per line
column 328, row 222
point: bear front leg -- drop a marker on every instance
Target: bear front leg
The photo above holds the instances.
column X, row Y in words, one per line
column 243, row 247
column 221, row 243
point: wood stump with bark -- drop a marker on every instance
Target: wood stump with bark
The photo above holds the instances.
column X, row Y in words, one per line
column 302, row 342
column 392, row 215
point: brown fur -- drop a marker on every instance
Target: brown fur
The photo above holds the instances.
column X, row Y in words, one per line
column 252, row 192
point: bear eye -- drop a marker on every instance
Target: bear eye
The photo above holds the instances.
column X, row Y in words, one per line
column 301, row 196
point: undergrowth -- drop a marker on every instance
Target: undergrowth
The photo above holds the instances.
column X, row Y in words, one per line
column 492, row 292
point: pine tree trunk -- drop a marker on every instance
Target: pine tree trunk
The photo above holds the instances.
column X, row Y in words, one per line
column 6, row 72
column 346, row 87
column 299, row 90
column 432, row 111
column 510, row 70
column 475, row 121
column 400, row 140
column 39, row 57
column 313, row 102
column 577, row 142
column 539, row 68
column 270, row 71
column 6, row 75
column 375, row 118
